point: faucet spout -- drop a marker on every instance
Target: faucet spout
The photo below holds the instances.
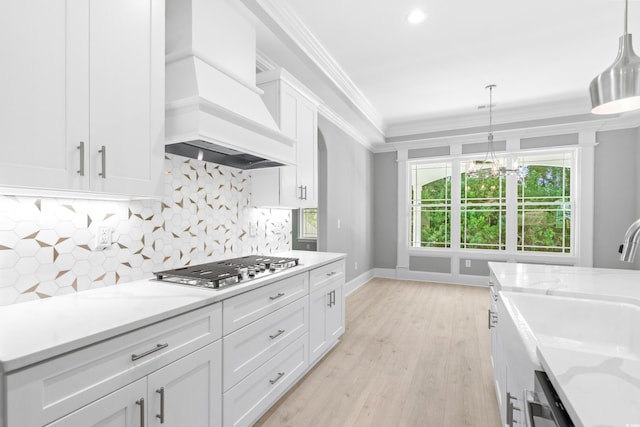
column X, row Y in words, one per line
column 630, row 246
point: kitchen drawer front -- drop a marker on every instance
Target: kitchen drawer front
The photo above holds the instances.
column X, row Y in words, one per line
column 251, row 397
column 320, row 276
column 49, row 390
column 245, row 308
column 249, row 347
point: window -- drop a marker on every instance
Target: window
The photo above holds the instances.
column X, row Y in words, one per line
column 308, row 224
column 431, row 205
column 530, row 213
column 545, row 204
column 483, row 212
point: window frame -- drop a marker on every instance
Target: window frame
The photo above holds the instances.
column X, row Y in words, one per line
column 301, row 235
column 457, row 163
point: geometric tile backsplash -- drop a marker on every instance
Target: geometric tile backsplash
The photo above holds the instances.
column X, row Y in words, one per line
column 47, row 244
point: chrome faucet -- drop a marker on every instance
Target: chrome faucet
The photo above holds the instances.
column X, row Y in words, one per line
column 630, row 246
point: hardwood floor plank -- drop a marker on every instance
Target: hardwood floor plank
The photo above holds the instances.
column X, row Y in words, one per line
column 413, row 354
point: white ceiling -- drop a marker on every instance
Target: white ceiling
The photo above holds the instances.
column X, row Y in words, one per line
column 540, row 53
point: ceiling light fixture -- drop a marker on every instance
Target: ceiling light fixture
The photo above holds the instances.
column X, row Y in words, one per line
column 416, row 16
column 617, row 89
column 491, row 166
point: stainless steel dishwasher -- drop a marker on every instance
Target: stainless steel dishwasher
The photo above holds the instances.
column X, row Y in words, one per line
column 543, row 407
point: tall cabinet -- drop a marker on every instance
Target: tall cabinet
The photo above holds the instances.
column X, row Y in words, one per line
column 82, row 102
column 295, row 110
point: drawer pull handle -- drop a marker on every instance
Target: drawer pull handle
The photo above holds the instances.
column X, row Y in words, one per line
column 281, row 294
column 141, row 404
column 331, row 273
column 276, row 379
column 277, row 334
column 158, row 347
column 161, row 415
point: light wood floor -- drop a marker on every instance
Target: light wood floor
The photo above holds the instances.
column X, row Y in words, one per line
column 413, row 354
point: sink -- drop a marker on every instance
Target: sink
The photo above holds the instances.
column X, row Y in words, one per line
column 594, row 326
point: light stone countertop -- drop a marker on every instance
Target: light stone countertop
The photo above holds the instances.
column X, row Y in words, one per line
column 599, row 283
column 596, row 389
column 34, row 331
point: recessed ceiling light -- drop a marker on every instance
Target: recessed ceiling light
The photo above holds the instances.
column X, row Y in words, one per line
column 416, row 16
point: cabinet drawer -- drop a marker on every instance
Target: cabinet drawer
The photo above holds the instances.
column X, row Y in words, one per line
column 44, row 392
column 322, row 275
column 250, row 398
column 245, row 308
column 249, row 347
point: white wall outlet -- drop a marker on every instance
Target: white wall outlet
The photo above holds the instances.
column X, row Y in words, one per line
column 103, row 238
column 467, row 263
column 339, row 224
column 355, row 265
column 253, row 229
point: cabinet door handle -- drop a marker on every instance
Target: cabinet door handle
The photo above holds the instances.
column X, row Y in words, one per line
column 277, row 334
column 280, row 294
column 305, row 193
column 141, row 404
column 161, row 415
column 276, row 379
column 158, row 347
column 103, row 152
column 490, row 319
column 81, row 148
column 300, row 197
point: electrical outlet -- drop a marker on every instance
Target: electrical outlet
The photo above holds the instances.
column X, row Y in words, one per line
column 253, row 229
column 355, row 265
column 467, row 263
column 339, row 224
column 103, row 238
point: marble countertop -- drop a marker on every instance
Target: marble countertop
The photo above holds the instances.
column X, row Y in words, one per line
column 597, row 389
column 38, row 330
column 606, row 283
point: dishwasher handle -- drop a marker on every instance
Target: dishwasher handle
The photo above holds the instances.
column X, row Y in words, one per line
column 533, row 408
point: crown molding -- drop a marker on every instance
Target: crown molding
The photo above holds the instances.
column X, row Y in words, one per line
column 299, row 33
column 336, row 119
column 263, row 62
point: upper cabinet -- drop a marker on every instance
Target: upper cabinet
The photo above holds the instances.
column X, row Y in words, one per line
column 82, row 103
column 295, row 110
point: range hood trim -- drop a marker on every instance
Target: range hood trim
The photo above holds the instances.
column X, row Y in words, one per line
column 197, row 103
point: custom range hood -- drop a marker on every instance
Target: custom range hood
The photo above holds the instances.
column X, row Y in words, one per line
column 214, row 111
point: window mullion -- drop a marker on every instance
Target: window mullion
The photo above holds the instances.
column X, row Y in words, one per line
column 512, row 213
column 455, row 204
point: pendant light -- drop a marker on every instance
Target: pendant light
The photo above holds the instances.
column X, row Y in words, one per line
column 491, row 166
column 617, row 89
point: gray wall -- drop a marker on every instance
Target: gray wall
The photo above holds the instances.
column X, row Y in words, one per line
column 385, row 202
column 345, row 195
column 616, row 198
column 616, row 194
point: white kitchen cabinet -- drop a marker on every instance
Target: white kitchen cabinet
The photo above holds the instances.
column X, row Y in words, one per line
column 122, row 408
column 188, row 390
column 253, row 396
column 82, row 86
column 326, row 308
column 295, row 110
column 52, row 389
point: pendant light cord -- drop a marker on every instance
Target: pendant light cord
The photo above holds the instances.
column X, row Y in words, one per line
column 626, row 19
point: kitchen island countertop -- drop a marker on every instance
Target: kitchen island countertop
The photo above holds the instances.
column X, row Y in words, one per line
column 34, row 331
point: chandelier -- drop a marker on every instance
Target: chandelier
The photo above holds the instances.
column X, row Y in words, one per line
column 490, row 166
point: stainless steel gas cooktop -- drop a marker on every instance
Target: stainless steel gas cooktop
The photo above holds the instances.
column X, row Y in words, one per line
column 221, row 274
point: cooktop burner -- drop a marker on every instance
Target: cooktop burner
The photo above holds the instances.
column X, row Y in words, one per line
column 220, row 274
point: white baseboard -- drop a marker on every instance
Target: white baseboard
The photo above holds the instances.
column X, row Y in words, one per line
column 404, row 274
column 358, row 282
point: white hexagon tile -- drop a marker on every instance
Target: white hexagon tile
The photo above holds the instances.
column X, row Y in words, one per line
column 47, row 245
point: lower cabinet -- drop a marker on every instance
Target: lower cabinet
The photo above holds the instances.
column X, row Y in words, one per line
column 122, row 408
column 326, row 312
column 188, row 389
column 252, row 396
